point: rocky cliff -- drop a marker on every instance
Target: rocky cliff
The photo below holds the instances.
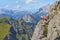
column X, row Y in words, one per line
column 49, row 28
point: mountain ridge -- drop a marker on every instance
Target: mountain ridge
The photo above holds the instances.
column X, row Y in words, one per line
column 49, row 28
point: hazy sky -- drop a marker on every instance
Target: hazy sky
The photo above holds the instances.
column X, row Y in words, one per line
column 24, row 4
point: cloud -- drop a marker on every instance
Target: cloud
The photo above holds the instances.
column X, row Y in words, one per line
column 31, row 1
column 6, row 6
column 17, row 2
column 28, row 1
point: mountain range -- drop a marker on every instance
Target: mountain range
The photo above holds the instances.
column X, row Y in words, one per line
column 20, row 14
column 21, row 24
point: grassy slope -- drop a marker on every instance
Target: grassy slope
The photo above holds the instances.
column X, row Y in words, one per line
column 4, row 28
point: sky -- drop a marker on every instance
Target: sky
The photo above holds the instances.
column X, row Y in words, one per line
column 24, row 4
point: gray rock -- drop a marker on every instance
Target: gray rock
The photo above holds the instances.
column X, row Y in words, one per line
column 38, row 33
column 54, row 28
column 53, row 25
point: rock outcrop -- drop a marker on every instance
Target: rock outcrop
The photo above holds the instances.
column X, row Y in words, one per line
column 54, row 28
column 49, row 29
column 38, row 32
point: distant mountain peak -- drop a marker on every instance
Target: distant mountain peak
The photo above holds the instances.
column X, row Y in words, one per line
column 45, row 8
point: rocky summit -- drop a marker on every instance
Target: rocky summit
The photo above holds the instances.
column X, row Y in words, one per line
column 49, row 27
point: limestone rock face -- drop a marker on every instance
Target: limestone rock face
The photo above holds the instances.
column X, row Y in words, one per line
column 54, row 28
column 52, row 31
column 38, row 32
column 54, row 24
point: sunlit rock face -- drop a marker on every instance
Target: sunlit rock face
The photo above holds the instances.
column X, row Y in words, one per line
column 53, row 25
column 38, row 32
column 54, row 28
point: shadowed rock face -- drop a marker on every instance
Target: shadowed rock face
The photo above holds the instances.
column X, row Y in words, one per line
column 57, row 38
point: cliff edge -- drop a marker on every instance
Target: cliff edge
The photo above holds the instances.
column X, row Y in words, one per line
column 49, row 27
